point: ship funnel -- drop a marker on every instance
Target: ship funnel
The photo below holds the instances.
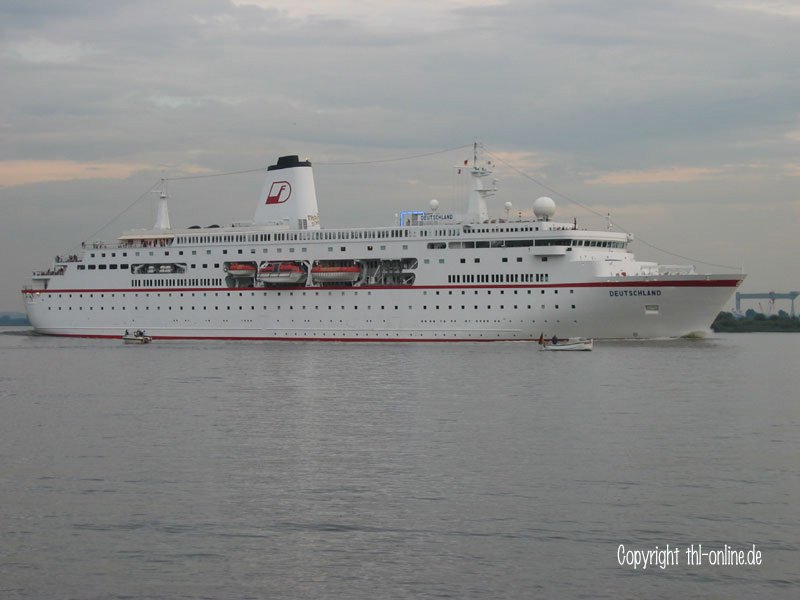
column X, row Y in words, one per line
column 288, row 195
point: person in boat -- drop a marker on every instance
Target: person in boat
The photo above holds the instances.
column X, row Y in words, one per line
column 554, row 339
column 127, row 332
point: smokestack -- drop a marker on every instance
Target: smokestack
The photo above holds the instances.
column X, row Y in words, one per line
column 289, row 196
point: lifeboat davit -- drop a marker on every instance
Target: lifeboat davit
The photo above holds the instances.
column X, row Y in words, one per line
column 281, row 273
column 241, row 270
column 346, row 274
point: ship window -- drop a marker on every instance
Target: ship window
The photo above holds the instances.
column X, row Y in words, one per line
column 505, row 259
column 113, row 266
column 477, row 260
column 81, row 267
column 92, row 267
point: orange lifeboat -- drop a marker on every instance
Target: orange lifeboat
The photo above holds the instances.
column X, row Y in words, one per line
column 346, row 274
column 241, row 270
column 281, row 273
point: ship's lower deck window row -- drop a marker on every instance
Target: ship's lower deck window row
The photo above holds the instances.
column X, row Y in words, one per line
column 499, row 278
column 317, row 307
column 240, row 294
column 172, row 283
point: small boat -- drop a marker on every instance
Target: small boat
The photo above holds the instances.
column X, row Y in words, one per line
column 575, row 345
column 281, row 272
column 136, row 337
column 241, row 270
column 325, row 273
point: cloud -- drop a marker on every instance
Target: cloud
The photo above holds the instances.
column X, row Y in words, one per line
column 22, row 172
column 376, row 14
column 42, row 51
column 781, row 8
column 667, row 175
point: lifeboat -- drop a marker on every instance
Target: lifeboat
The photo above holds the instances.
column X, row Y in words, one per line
column 241, row 270
column 281, row 273
column 336, row 274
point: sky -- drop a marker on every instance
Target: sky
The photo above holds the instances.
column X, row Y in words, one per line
column 680, row 118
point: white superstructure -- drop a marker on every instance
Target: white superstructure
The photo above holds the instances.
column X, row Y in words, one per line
column 430, row 277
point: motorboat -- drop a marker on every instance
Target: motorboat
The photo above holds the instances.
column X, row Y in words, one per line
column 574, row 345
column 136, row 337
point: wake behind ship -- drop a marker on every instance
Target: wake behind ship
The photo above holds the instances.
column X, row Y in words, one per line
column 429, row 277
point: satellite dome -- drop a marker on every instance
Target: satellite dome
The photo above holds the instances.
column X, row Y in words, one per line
column 508, row 205
column 544, row 208
column 434, row 204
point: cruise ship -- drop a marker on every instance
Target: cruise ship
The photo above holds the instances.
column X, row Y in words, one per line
column 429, row 277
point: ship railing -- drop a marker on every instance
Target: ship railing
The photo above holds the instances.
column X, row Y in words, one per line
column 157, row 243
column 676, row 270
column 49, row 272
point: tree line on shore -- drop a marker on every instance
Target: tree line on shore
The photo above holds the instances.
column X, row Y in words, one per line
column 13, row 321
column 753, row 321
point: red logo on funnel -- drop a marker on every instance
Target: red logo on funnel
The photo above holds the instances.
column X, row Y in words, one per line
column 279, row 192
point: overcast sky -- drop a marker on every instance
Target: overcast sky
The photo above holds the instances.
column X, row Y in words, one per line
column 680, row 117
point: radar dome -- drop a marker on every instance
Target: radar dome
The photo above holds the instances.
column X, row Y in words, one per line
column 544, row 208
column 434, row 204
column 508, row 205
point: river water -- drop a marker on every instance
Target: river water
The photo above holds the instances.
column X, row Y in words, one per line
column 379, row 470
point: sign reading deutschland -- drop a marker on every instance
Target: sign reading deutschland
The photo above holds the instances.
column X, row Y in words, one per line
column 634, row 292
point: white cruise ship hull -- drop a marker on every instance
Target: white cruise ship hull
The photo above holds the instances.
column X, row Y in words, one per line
column 636, row 307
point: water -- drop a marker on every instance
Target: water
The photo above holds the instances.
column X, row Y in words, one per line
column 325, row 470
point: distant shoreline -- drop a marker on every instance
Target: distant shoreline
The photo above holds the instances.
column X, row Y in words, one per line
column 753, row 322
column 8, row 321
